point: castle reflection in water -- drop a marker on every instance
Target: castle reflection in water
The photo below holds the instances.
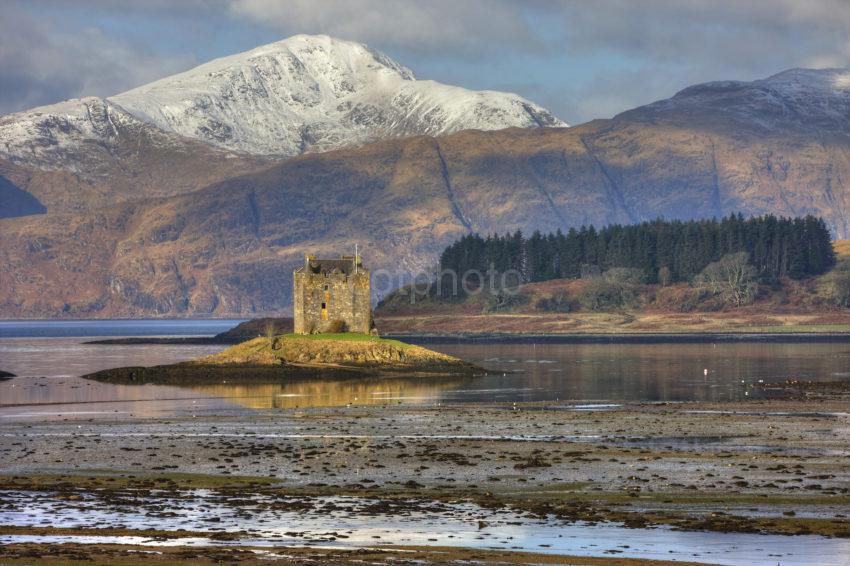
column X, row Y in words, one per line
column 332, row 393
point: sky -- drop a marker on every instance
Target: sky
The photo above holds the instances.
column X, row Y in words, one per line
column 580, row 59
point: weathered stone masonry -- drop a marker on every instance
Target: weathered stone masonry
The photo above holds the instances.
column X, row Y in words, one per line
column 327, row 290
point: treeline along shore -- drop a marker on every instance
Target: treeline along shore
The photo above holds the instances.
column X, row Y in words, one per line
column 663, row 251
column 758, row 276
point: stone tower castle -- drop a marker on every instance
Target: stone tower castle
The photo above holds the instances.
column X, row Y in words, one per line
column 325, row 291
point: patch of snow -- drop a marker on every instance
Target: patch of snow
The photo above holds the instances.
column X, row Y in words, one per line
column 45, row 136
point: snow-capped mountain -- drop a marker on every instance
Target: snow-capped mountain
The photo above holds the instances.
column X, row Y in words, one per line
column 309, row 93
column 794, row 99
column 303, row 94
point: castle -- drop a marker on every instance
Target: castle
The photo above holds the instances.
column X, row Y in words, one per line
column 332, row 295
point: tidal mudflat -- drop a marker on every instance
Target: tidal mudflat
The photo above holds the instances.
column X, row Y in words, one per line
column 704, row 482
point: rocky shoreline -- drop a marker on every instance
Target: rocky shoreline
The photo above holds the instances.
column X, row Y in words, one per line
column 772, row 466
column 190, row 373
column 694, row 466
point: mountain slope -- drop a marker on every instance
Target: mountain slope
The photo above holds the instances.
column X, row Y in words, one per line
column 227, row 249
column 314, row 93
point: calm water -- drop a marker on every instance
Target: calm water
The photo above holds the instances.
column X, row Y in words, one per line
column 50, row 355
column 115, row 328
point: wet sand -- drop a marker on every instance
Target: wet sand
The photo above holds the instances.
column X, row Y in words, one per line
column 776, row 466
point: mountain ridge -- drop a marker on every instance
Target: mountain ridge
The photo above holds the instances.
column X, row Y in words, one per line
column 304, row 93
column 228, row 247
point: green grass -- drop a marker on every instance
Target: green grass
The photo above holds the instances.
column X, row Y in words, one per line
column 346, row 337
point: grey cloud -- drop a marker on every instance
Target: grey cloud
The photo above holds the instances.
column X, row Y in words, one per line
column 40, row 63
column 724, row 31
column 668, row 30
column 643, row 50
column 465, row 27
column 676, row 43
column 166, row 8
column 660, row 45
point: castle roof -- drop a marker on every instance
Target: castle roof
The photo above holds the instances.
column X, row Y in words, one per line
column 343, row 265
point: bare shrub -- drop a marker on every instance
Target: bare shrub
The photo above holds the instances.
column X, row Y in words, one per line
column 838, row 288
column 269, row 331
column 559, row 302
column 600, row 295
column 732, row 277
column 625, row 275
column 503, row 300
column 337, row 327
column 590, row 271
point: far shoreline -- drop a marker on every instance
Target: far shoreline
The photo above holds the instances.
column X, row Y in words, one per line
column 251, row 328
column 624, row 338
column 534, row 338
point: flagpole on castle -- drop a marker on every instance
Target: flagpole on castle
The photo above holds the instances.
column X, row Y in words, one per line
column 355, row 258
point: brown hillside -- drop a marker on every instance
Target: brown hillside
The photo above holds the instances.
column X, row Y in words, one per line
column 228, row 249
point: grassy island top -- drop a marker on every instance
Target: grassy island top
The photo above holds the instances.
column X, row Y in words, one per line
column 345, row 337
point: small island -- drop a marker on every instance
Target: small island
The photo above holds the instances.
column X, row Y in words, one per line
column 295, row 356
column 4, row 375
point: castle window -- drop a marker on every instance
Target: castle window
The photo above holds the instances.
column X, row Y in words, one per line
column 324, row 305
column 326, row 287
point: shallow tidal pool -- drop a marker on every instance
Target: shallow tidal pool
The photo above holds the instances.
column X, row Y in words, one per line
column 357, row 522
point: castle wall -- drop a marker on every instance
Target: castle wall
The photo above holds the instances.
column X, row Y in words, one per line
column 298, row 299
column 319, row 299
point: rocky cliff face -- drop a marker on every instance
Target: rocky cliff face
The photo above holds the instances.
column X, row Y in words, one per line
column 778, row 145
